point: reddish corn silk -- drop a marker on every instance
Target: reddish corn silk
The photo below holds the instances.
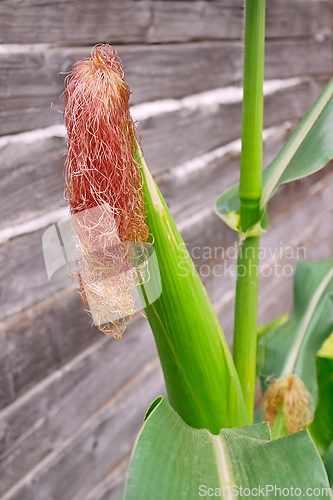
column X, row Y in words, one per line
column 104, row 188
column 100, row 166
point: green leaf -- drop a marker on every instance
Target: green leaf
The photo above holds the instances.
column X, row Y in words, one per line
column 321, row 429
column 326, row 350
column 308, row 150
column 174, row 461
column 329, row 465
column 292, row 347
column 261, row 330
column 201, row 379
column 272, row 324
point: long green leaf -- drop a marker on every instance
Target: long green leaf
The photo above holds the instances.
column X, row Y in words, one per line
column 292, row 347
column 272, row 324
column 321, row 428
column 174, row 461
column 308, row 150
column 201, row 379
column 329, row 465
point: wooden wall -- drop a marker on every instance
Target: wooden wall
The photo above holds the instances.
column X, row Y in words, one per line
column 72, row 400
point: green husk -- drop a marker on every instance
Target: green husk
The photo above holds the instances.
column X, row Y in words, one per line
column 201, row 380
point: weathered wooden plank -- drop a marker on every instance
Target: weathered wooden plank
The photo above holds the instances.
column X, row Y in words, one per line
column 30, row 81
column 293, row 18
column 110, row 488
column 30, row 173
column 41, row 340
column 85, row 384
column 96, row 447
column 283, row 18
column 324, row 19
column 125, row 22
column 7, row 390
column 194, row 131
column 22, row 274
column 31, row 179
column 147, row 21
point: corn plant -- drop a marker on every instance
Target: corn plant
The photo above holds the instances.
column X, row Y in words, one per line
column 202, row 441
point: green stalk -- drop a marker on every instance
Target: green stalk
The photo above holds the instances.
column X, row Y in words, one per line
column 252, row 122
column 245, row 340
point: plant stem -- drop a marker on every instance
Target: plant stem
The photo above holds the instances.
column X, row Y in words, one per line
column 252, row 121
column 245, row 337
column 245, row 341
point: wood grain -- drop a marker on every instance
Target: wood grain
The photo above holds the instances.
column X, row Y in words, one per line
column 31, row 81
column 31, row 179
column 41, row 340
column 144, row 21
column 110, row 488
column 191, row 132
column 96, row 446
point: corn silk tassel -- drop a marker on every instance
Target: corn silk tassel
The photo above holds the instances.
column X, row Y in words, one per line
column 105, row 172
column 291, row 394
column 103, row 187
